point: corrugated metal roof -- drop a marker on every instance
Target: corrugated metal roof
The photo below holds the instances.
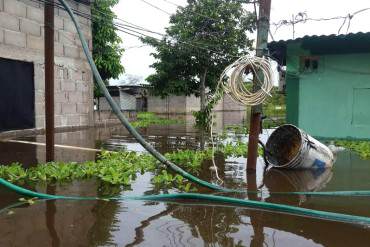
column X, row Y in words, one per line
column 332, row 37
column 323, row 44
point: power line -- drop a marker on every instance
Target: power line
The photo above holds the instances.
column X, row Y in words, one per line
column 172, row 3
column 129, row 30
column 156, row 7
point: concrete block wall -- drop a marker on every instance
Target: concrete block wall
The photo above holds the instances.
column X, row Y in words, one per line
column 187, row 104
column 230, row 105
column 177, row 104
column 104, row 105
column 127, row 101
column 192, row 103
column 157, row 104
column 22, row 38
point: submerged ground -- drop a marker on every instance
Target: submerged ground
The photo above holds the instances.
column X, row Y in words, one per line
column 190, row 223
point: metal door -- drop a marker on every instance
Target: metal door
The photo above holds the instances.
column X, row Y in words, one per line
column 17, row 97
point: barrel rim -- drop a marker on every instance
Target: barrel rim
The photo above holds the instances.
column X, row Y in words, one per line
column 288, row 164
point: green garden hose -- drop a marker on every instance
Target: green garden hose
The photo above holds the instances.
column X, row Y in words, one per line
column 273, row 207
column 124, row 120
column 151, row 149
column 192, row 196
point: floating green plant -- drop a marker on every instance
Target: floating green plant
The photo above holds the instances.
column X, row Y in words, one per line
column 121, row 168
column 144, row 119
column 362, row 148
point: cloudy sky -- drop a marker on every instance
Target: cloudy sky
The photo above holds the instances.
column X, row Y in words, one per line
column 137, row 59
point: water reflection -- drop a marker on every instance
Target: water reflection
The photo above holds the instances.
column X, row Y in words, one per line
column 297, row 180
column 50, row 218
column 187, row 223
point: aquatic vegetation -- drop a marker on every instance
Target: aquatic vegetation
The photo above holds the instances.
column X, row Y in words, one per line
column 121, row 168
column 165, row 179
column 362, row 148
column 275, row 106
column 238, row 150
column 190, row 160
column 237, row 129
column 269, row 123
column 144, row 119
column 29, row 201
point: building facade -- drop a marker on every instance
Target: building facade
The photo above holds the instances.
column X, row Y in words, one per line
column 187, row 104
column 22, row 63
column 327, row 84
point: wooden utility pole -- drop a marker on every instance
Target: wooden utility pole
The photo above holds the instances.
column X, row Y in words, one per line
column 263, row 25
column 49, row 79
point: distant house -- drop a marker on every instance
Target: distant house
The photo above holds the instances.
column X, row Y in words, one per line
column 183, row 104
column 327, row 83
column 128, row 97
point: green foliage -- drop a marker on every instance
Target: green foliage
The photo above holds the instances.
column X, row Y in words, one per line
column 275, row 105
column 167, row 180
column 191, row 160
column 199, row 45
column 237, row 129
column 144, row 119
column 238, row 150
column 107, row 49
column 362, row 148
column 121, row 168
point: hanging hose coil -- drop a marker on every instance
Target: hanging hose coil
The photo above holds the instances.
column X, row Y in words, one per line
column 219, row 199
column 234, row 84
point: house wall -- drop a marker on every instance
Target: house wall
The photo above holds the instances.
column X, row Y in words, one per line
column 157, row 104
column 187, row 104
column 192, row 103
column 127, row 101
column 332, row 102
column 104, row 105
column 22, row 38
column 177, row 104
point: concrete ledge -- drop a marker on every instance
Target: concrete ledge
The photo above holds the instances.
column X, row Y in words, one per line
column 102, row 119
column 12, row 134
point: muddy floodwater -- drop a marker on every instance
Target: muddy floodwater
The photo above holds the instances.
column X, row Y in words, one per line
column 180, row 223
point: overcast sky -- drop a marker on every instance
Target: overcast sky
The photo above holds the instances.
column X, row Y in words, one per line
column 137, row 59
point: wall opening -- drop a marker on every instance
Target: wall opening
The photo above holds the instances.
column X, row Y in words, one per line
column 17, row 95
column 309, row 64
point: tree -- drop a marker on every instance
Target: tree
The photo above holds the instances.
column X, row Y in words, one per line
column 202, row 39
column 107, row 51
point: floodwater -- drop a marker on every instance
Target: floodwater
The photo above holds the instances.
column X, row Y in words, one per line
column 191, row 223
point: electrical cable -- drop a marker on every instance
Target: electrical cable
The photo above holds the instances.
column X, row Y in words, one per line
column 147, row 146
column 359, row 220
column 235, row 86
column 232, row 83
column 127, row 29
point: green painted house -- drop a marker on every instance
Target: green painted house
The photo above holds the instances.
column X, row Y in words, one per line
column 327, row 84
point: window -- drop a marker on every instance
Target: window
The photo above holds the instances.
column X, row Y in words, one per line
column 309, row 64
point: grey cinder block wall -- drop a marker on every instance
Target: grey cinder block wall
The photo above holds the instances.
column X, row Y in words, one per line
column 187, row 104
column 22, row 38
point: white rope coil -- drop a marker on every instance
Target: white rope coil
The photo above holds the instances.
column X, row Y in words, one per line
column 232, row 80
column 232, row 83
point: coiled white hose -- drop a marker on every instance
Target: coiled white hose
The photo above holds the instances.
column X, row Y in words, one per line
column 232, row 83
column 235, row 86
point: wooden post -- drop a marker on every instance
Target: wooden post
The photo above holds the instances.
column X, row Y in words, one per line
column 49, row 79
column 261, row 49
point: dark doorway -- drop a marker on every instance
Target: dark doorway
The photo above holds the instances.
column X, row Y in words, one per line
column 17, row 98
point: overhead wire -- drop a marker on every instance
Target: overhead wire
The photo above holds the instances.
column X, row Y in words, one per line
column 127, row 29
column 280, row 208
column 156, row 7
